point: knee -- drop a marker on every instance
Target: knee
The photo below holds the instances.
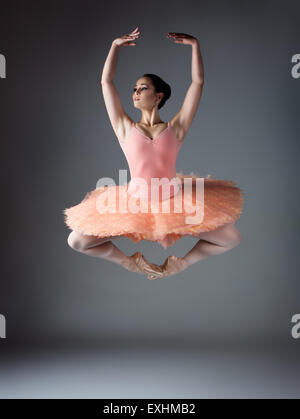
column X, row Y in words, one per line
column 234, row 236
column 74, row 241
column 81, row 242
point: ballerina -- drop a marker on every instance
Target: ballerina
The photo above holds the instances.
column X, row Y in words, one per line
column 151, row 148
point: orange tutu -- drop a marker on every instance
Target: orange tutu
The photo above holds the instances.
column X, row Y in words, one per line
column 222, row 204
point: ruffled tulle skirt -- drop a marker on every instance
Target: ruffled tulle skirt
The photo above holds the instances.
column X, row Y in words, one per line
column 112, row 211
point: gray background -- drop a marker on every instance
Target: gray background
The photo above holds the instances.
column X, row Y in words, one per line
column 222, row 327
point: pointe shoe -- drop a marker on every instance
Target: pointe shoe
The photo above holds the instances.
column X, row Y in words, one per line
column 152, row 270
column 173, row 265
column 130, row 262
column 139, row 264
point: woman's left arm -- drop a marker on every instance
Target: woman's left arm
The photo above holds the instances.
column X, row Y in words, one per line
column 186, row 114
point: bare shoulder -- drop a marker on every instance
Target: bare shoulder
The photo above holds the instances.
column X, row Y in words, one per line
column 123, row 128
column 177, row 127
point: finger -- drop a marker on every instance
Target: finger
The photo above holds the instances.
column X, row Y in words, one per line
column 178, row 35
column 132, row 34
column 130, row 38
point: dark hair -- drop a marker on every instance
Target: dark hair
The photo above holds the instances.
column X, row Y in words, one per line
column 160, row 86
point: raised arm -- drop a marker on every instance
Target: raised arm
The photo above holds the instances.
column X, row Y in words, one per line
column 183, row 119
column 111, row 96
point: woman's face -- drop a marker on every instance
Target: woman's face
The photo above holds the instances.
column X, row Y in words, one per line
column 143, row 94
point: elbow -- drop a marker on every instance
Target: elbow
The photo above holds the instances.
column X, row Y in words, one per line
column 103, row 81
column 199, row 81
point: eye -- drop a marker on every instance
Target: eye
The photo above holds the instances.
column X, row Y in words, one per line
column 141, row 89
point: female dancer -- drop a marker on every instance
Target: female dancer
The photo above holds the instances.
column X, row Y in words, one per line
column 151, row 147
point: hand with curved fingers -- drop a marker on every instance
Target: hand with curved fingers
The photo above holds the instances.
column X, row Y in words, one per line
column 182, row 38
column 127, row 39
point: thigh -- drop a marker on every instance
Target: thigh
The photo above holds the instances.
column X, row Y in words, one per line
column 225, row 235
column 84, row 241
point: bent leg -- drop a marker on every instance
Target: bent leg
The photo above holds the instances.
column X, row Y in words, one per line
column 214, row 243
column 95, row 246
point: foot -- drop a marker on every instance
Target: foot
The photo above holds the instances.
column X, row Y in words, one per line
column 130, row 262
column 138, row 263
column 173, row 265
column 152, row 270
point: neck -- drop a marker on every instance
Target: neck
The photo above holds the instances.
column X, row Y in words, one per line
column 150, row 118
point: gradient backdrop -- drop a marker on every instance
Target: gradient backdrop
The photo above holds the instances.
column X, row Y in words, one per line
column 79, row 326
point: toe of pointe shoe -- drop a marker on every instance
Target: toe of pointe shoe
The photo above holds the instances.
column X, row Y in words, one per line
column 155, row 274
column 152, row 270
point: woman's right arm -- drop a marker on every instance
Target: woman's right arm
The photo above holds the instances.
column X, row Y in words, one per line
column 111, row 96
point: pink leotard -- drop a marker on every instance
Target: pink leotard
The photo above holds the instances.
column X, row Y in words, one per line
column 152, row 158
